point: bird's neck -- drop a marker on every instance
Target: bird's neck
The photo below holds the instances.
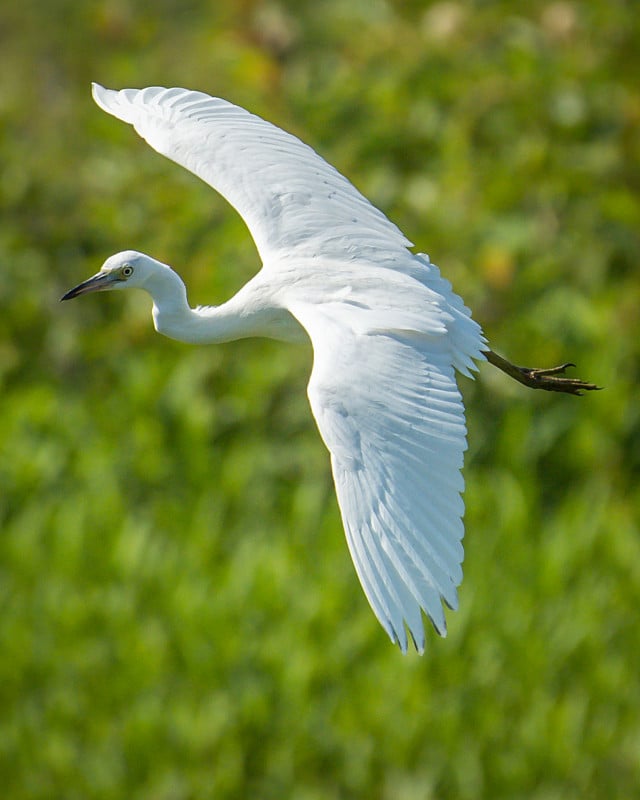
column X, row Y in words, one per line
column 173, row 317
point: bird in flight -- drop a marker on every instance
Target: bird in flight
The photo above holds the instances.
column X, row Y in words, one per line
column 387, row 330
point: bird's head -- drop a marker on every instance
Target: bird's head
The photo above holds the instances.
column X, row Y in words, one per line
column 126, row 270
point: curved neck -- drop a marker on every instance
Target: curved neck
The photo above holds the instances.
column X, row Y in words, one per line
column 173, row 317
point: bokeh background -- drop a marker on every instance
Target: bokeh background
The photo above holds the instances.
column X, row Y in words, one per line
column 179, row 617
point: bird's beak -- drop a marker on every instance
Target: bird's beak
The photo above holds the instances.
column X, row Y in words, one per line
column 100, row 281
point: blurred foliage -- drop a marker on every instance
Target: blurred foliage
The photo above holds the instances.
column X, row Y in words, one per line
column 179, row 615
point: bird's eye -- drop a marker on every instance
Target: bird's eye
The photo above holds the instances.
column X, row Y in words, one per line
column 126, row 271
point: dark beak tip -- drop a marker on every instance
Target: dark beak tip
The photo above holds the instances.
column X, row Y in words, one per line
column 94, row 284
column 70, row 294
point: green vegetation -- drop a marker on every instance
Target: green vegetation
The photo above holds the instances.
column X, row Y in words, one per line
column 179, row 617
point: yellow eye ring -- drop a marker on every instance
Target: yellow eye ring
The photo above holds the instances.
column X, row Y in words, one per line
column 127, row 271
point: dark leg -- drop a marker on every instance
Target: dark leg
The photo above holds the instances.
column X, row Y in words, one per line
column 552, row 380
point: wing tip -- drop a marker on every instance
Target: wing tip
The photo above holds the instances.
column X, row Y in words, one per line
column 114, row 102
column 99, row 94
column 419, row 642
column 417, row 637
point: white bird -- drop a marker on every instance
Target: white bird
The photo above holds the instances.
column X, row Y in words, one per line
column 388, row 334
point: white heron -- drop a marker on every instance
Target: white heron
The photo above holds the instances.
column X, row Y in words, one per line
column 388, row 335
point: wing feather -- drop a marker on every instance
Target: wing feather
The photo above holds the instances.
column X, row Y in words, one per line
column 289, row 196
column 393, row 422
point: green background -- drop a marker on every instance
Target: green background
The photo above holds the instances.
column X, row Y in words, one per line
column 179, row 617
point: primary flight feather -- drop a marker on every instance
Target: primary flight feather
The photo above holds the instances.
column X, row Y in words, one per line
column 388, row 334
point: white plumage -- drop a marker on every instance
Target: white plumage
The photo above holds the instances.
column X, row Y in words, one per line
column 387, row 331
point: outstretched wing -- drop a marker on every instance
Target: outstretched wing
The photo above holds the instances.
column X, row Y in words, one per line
column 389, row 410
column 290, row 198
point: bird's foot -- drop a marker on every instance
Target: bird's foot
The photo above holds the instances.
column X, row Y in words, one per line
column 551, row 380
column 554, row 380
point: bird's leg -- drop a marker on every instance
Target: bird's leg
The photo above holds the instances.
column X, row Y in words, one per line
column 553, row 379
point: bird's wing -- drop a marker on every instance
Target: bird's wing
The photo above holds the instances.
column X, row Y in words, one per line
column 389, row 410
column 292, row 200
